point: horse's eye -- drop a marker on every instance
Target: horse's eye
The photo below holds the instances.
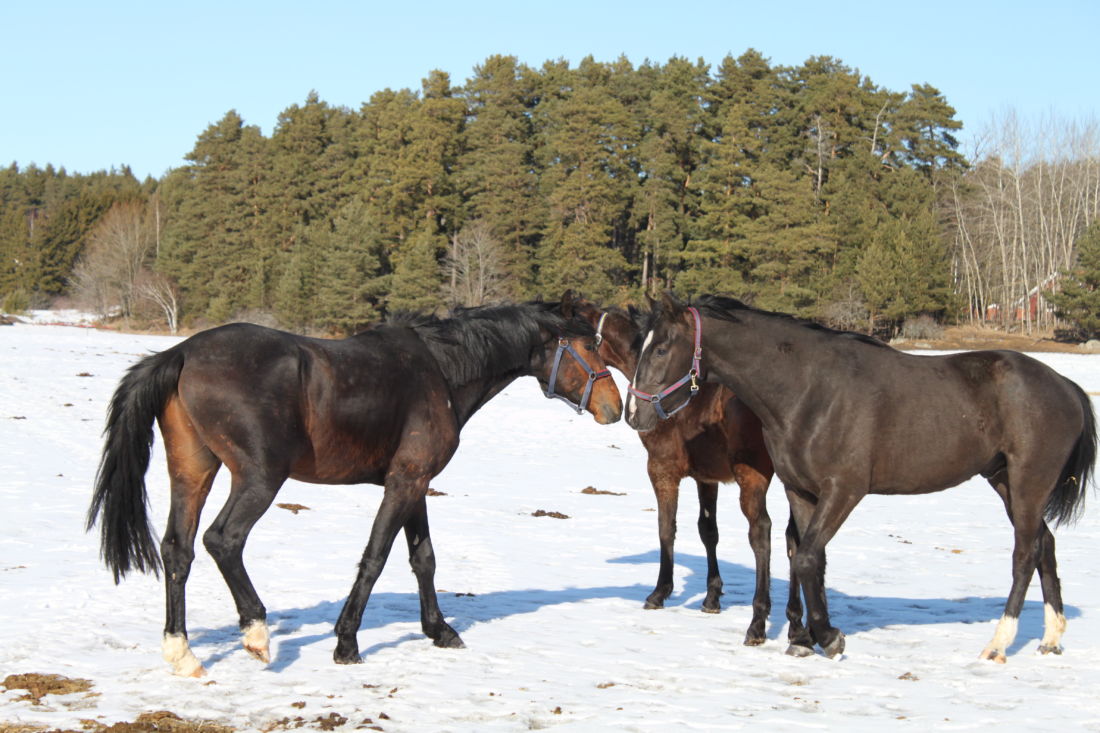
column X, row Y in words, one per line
column 590, row 346
column 661, row 351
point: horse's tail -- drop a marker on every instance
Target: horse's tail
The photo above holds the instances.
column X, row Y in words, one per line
column 1068, row 500
column 120, row 500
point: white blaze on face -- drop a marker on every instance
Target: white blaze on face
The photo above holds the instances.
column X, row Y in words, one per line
column 631, row 404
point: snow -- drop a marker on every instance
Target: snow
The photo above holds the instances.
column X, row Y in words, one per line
column 550, row 609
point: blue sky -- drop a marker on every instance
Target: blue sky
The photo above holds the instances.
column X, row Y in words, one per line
column 95, row 85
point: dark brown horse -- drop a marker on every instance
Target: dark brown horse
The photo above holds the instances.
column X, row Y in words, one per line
column 715, row 438
column 845, row 416
column 382, row 407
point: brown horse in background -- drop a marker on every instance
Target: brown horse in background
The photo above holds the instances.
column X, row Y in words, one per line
column 713, row 439
column 383, row 407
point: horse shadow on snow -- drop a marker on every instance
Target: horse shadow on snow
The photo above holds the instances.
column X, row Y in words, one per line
column 853, row 613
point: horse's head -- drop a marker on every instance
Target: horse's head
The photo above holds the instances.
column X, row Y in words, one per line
column 667, row 375
column 617, row 334
column 572, row 369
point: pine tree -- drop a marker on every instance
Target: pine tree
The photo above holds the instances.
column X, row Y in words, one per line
column 496, row 172
column 584, row 134
column 669, row 154
column 417, row 280
column 1077, row 298
column 216, row 245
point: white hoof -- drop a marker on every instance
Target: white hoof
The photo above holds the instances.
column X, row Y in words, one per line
column 1002, row 639
column 178, row 653
column 257, row 641
column 1054, row 625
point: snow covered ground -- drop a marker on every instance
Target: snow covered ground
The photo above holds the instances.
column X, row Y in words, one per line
column 550, row 609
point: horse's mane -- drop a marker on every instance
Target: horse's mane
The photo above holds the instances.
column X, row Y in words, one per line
column 728, row 308
column 473, row 343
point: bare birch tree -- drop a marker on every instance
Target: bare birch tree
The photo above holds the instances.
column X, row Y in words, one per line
column 115, row 272
column 475, row 267
column 1017, row 212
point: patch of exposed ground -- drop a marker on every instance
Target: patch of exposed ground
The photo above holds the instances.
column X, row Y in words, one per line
column 974, row 337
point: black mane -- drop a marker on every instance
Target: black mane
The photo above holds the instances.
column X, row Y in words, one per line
column 472, row 343
column 727, row 308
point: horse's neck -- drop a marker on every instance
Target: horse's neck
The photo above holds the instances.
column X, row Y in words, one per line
column 470, row 393
column 758, row 360
column 470, row 397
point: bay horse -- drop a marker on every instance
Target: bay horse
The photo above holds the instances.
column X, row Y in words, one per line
column 383, row 407
column 713, row 438
column 845, row 415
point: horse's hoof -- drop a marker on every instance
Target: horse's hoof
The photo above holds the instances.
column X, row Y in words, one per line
column 449, row 640
column 798, row 650
column 754, row 640
column 652, row 605
column 834, row 647
column 993, row 655
column 1050, row 648
column 177, row 653
column 257, row 641
column 346, row 656
column 712, row 607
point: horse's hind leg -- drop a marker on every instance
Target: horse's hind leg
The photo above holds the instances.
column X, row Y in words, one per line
column 1054, row 618
column 1024, row 560
column 191, row 469
column 754, row 488
column 249, row 498
column 422, row 560
column 1034, row 550
column 708, row 533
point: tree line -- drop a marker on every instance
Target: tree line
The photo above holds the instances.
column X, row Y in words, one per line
column 807, row 189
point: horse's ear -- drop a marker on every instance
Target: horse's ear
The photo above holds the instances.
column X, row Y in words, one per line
column 651, row 302
column 669, row 303
column 567, row 303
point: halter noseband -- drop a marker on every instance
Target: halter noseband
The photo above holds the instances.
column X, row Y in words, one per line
column 692, row 377
column 564, row 347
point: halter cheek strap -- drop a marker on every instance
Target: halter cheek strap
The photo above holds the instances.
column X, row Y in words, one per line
column 691, row 377
column 564, row 347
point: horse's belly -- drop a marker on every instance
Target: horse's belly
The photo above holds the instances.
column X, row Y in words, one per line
column 341, row 467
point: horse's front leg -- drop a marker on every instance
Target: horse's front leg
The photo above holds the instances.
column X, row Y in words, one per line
column 398, row 503
column 808, row 563
column 422, row 560
column 754, row 505
column 667, row 490
column 798, row 636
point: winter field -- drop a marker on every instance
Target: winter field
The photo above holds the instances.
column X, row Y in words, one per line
column 550, row 609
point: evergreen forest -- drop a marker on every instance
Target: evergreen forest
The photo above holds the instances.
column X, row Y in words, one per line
column 806, row 189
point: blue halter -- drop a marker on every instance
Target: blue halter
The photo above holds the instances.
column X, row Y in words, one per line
column 564, row 347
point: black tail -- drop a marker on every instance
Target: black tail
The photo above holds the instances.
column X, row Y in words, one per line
column 126, row 538
column 1068, row 500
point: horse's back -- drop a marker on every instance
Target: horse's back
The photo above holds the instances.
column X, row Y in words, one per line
column 323, row 410
column 904, row 423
